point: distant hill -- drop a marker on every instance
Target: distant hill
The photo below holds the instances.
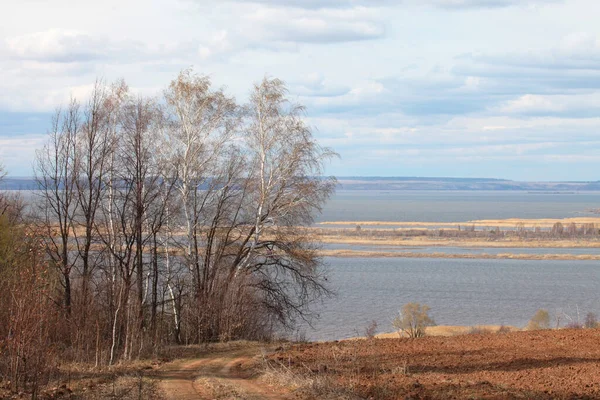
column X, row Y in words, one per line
column 425, row 183
column 405, row 183
column 18, row 183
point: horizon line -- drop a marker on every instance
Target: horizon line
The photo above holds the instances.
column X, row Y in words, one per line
column 390, row 177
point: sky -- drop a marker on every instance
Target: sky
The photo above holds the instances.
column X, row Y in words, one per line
column 446, row 88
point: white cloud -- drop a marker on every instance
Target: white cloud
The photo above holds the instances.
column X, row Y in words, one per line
column 218, row 43
column 69, row 46
column 56, row 46
column 448, row 4
column 465, row 4
column 374, row 74
column 315, row 26
column 552, row 104
column 316, row 85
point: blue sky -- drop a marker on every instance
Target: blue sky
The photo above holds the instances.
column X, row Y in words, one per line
column 461, row 88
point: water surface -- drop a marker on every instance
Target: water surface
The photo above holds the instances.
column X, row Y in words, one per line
column 462, row 250
column 459, row 292
column 455, row 206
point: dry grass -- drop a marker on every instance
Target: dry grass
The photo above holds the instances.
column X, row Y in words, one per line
column 125, row 388
column 451, row 330
column 397, row 254
column 310, row 384
column 219, row 390
column 502, row 223
column 126, row 381
column 422, row 241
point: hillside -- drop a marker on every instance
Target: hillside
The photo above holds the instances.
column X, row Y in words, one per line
column 417, row 183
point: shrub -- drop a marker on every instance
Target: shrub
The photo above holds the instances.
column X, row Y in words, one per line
column 540, row 320
column 412, row 320
column 479, row 330
column 591, row 320
column 574, row 325
column 557, row 229
column 371, row 330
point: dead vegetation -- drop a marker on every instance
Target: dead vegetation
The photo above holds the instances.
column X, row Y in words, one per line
column 500, row 256
column 555, row 225
column 131, row 381
column 543, row 230
column 547, row 364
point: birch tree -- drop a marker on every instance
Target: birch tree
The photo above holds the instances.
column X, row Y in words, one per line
column 203, row 121
column 285, row 168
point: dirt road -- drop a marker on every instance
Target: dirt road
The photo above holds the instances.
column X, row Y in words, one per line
column 222, row 375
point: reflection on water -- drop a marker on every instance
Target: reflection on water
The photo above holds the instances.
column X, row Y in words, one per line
column 459, row 291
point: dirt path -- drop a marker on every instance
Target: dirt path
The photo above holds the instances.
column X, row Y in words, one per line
column 224, row 375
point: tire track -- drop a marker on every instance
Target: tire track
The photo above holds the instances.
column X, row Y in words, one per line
column 215, row 377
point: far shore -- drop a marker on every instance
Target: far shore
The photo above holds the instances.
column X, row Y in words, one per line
column 491, row 223
column 383, row 236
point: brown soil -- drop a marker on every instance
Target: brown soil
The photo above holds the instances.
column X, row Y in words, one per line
column 230, row 374
column 562, row 364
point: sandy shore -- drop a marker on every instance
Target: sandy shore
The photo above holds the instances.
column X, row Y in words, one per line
column 503, row 256
column 453, row 330
column 449, row 330
column 502, row 223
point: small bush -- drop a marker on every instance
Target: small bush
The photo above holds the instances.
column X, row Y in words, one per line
column 371, row 330
column 574, row 325
column 503, row 329
column 479, row 330
column 412, row 320
column 591, row 320
column 540, row 320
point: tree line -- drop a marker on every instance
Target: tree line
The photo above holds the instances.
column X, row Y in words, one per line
column 178, row 219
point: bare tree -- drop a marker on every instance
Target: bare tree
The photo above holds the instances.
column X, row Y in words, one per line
column 108, row 223
column 94, row 147
column 56, row 169
column 4, row 204
column 285, row 164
